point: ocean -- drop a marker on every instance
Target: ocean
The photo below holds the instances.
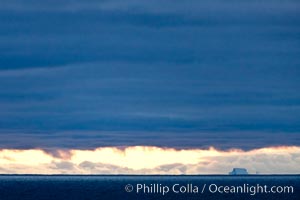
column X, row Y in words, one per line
column 99, row 187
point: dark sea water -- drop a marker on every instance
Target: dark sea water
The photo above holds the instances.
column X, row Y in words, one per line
column 25, row 187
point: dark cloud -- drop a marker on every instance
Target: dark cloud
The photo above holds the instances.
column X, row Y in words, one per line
column 50, row 141
column 171, row 73
column 190, row 7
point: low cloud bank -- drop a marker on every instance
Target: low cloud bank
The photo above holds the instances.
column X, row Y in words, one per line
column 150, row 160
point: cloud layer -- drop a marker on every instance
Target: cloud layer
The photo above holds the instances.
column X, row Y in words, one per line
column 87, row 74
column 150, row 160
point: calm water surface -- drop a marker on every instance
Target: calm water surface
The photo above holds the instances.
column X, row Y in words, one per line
column 19, row 187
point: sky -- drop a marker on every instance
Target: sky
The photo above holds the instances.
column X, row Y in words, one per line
column 174, row 76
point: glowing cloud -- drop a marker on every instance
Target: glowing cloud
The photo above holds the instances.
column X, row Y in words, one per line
column 149, row 160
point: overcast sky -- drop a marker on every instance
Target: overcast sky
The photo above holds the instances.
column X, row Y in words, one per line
column 85, row 74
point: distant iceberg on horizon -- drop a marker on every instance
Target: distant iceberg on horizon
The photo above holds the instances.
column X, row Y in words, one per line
column 238, row 171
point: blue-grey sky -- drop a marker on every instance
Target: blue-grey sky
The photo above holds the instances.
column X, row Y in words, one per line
column 85, row 74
